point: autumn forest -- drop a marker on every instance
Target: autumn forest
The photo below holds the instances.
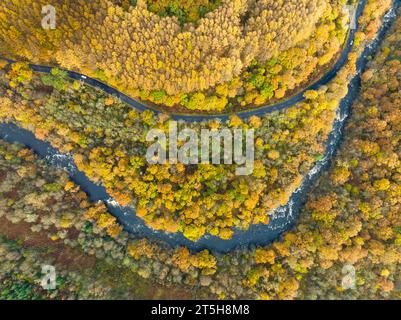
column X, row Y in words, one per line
column 317, row 83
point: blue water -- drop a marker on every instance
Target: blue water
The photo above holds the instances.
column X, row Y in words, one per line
column 283, row 219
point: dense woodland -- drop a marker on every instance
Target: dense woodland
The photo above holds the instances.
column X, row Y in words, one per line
column 351, row 217
column 242, row 53
column 186, row 11
column 107, row 140
column 56, row 223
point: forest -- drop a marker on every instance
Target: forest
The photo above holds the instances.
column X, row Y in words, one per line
column 241, row 54
column 107, row 140
column 349, row 223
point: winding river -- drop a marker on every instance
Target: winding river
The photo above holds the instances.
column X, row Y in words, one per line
column 282, row 219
